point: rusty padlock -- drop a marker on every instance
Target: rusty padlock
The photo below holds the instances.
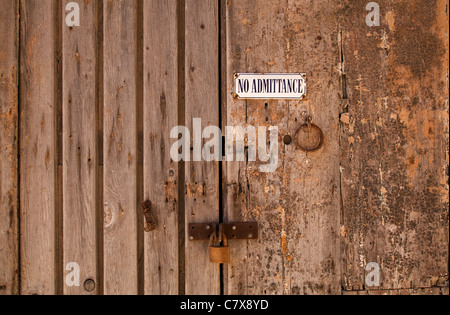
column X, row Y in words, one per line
column 219, row 254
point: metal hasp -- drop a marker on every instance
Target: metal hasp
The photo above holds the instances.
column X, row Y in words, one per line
column 232, row 231
column 218, row 236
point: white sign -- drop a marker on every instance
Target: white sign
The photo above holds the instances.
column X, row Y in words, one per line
column 270, row 86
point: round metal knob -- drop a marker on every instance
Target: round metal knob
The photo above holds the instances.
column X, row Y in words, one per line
column 309, row 137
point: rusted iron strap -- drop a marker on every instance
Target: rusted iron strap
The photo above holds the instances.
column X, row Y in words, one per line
column 232, row 231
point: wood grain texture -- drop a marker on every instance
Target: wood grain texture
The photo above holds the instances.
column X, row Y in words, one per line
column 80, row 145
column 297, row 206
column 9, row 248
column 394, row 145
column 120, row 147
column 38, row 160
column 202, row 101
column 160, row 171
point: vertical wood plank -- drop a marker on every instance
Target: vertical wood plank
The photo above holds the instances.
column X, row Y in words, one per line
column 9, row 246
column 120, row 147
column 80, row 145
column 37, row 146
column 202, row 101
column 297, row 206
column 394, row 148
column 160, row 172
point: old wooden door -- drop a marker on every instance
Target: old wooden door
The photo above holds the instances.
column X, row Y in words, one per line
column 297, row 206
column 88, row 182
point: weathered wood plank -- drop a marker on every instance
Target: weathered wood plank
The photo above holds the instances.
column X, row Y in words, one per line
column 79, row 54
column 202, row 101
column 405, row 292
column 160, row 171
column 38, row 160
column 120, row 147
column 394, row 144
column 297, row 206
column 9, row 249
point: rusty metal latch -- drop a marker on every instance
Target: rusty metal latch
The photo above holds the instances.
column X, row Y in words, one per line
column 218, row 236
column 232, row 231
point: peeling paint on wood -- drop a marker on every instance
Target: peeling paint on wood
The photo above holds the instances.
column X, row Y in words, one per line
column 394, row 145
column 405, row 292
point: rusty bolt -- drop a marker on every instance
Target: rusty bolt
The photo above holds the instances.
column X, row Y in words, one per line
column 89, row 285
column 287, row 140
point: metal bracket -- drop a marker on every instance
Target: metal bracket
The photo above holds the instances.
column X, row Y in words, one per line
column 233, row 231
